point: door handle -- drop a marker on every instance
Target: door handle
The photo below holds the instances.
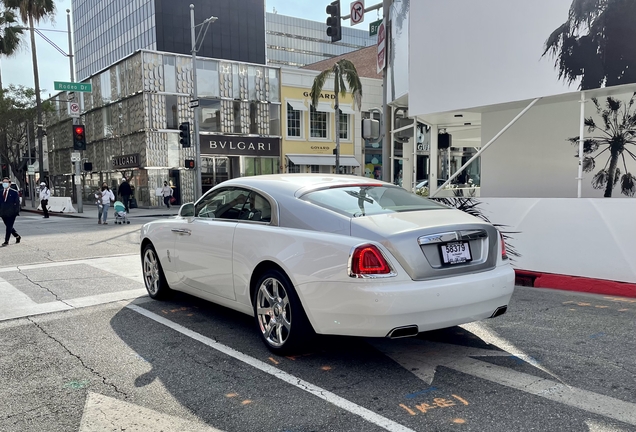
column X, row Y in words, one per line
column 181, row 231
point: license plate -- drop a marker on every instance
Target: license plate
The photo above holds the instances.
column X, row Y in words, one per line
column 456, row 253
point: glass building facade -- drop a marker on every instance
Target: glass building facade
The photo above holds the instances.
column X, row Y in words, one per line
column 107, row 31
column 299, row 42
column 132, row 118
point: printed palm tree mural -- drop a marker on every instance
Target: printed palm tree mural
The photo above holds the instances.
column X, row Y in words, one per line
column 613, row 138
column 596, row 43
column 342, row 71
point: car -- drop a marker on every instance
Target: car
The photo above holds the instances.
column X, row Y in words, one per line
column 308, row 254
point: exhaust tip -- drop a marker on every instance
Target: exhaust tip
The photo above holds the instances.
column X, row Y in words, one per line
column 499, row 311
column 402, row 332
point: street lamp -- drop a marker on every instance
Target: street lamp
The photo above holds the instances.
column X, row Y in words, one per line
column 197, row 40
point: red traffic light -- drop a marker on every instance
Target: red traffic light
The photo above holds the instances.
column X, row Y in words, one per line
column 79, row 130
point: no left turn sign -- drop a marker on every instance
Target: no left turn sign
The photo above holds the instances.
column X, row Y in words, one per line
column 357, row 12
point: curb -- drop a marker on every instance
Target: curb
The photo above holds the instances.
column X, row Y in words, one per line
column 574, row 283
column 79, row 216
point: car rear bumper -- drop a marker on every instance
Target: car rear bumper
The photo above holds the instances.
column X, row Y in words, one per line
column 373, row 308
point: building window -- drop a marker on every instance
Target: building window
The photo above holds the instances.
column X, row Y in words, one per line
column 315, row 169
column 274, row 119
column 294, row 121
column 318, row 123
column 254, row 118
column 344, row 125
column 293, row 168
column 170, row 73
column 172, row 115
column 210, row 115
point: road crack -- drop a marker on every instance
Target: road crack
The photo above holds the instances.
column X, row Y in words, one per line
column 57, row 298
column 87, row 367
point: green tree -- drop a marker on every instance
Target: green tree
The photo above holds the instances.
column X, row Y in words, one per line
column 617, row 132
column 10, row 33
column 344, row 74
column 596, row 43
column 32, row 12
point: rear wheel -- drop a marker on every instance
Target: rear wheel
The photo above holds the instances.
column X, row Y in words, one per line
column 280, row 318
column 154, row 279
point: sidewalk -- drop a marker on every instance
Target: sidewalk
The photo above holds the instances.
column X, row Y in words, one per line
column 90, row 211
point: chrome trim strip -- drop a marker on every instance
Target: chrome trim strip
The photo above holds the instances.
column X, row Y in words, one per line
column 472, row 234
column 437, row 238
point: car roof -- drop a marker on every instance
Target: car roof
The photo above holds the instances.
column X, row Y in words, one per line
column 298, row 184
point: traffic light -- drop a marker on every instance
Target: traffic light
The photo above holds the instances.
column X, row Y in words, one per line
column 184, row 134
column 334, row 30
column 79, row 137
column 189, row 163
column 88, row 166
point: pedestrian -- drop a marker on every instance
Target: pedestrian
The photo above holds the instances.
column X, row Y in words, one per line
column 100, row 207
column 45, row 194
column 166, row 192
column 125, row 192
column 107, row 197
column 9, row 210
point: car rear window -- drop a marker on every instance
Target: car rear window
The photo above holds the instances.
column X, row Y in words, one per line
column 358, row 201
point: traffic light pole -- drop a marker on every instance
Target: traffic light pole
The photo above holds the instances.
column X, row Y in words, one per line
column 78, row 173
column 195, row 96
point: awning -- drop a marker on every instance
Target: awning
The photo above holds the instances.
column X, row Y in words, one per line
column 324, row 107
column 297, row 105
column 346, row 109
column 329, row 160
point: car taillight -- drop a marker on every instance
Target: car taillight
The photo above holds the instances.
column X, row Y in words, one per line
column 504, row 256
column 368, row 260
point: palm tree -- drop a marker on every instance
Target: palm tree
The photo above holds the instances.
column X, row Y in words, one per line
column 596, row 43
column 618, row 131
column 9, row 35
column 343, row 70
column 34, row 11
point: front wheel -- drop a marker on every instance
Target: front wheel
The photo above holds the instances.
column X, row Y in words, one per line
column 280, row 318
column 154, row 279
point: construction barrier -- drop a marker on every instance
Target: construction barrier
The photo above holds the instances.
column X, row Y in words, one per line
column 59, row 205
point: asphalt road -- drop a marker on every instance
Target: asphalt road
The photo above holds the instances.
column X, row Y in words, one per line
column 83, row 349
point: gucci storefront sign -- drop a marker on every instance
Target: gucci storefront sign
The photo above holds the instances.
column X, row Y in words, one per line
column 126, row 161
column 239, row 145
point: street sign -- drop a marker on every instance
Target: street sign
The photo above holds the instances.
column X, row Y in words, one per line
column 381, row 45
column 74, row 109
column 373, row 27
column 357, row 12
column 194, row 103
column 70, row 86
column 31, row 169
column 76, row 157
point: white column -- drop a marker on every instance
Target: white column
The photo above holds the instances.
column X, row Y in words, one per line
column 433, row 160
column 581, row 141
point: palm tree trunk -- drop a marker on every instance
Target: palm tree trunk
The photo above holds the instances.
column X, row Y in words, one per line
column 610, row 177
column 337, row 115
column 38, row 100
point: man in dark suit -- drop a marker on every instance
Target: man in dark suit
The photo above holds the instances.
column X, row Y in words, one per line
column 9, row 210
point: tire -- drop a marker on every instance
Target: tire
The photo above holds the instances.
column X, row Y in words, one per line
column 280, row 318
column 154, row 279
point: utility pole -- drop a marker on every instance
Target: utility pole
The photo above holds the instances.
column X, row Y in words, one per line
column 387, row 142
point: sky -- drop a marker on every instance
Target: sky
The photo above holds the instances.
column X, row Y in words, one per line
column 53, row 66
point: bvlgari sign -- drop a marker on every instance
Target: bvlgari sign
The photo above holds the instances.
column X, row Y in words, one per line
column 239, row 145
column 126, row 161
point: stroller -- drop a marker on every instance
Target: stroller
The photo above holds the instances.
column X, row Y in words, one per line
column 121, row 217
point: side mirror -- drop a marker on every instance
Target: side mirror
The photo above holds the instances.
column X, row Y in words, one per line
column 187, row 210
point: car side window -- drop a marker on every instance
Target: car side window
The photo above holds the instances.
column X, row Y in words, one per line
column 257, row 208
column 222, row 204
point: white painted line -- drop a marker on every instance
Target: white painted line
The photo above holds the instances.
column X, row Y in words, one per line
column 88, row 261
column 332, row 398
column 98, row 299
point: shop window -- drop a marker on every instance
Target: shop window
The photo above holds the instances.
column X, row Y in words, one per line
column 344, row 125
column 172, row 112
column 315, row 169
column 293, row 168
column 318, row 123
column 294, row 122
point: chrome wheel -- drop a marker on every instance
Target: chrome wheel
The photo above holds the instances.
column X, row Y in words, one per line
column 273, row 312
column 152, row 275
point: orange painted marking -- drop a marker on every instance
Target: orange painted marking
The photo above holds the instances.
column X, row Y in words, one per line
column 623, row 310
column 572, row 309
column 246, row 402
column 601, row 307
column 408, row 410
column 164, row 311
column 621, row 299
column 584, row 304
column 568, row 302
column 273, row 360
column 231, row 395
column 189, row 314
column 459, row 421
column 326, row 368
column 462, row 400
column 181, row 309
column 424, row 407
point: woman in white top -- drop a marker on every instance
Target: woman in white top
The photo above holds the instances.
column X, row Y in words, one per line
column 166, row 192
column 107, row 197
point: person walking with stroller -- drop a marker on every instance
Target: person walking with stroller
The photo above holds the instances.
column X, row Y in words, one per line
column 107, row 197
column 45, row 194
column 166, row 192
column 125, row 192
column 9, row 210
